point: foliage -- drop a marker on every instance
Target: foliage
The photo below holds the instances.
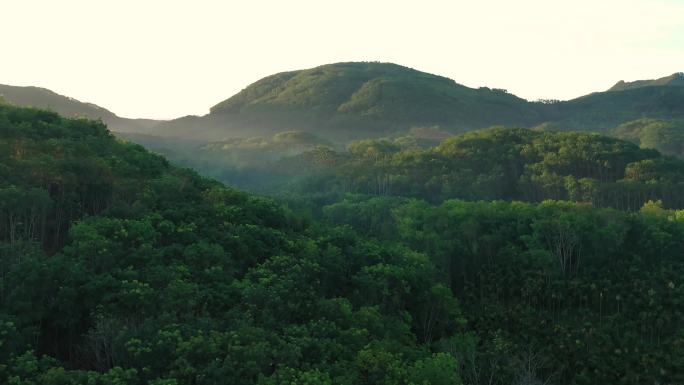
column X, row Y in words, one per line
column 509, row 164
column 118, row 268
column 555, row 292
column 359, row 100
column 666, row 136
column 371, row 96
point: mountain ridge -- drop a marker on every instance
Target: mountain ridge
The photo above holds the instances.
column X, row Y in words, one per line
column 376, row 96
column 357, row 100
column 676, row 79
column 39, row 97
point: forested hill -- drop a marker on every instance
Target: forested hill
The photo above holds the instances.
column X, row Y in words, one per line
column 603, row 111
column 341, row 102
column 117, row 268
column 358, row 100
column 500, row 163
column 676, row 79
column 373, row 96
column 664, row 135
column 46, row 99
column 43, row 98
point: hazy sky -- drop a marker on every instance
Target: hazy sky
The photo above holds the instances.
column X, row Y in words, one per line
column 164, row 59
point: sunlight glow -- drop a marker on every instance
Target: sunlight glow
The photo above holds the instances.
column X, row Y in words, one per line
column 164, row 59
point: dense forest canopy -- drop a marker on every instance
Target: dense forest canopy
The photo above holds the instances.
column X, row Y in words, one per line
column 118, row 268
column 567, row 287
column 496, row 256
column 666, row 136
column 323, row 110
column 496, row 163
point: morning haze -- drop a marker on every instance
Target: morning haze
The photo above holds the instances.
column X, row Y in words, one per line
column 352, row 193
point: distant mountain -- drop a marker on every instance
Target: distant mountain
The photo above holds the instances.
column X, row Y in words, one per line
column 603, row 111
column 355, row 100
column 64, row 105
column 348, row 101
column 676, row 79
column 345, row 101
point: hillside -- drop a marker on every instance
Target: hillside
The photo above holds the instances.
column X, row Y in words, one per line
column 302, row 192
column 603, row 111
column 499, row 164
column 384, row 96
column 354, row 100
column 346, row 101
column 343, row 102
column 64, row 105
column 666, row 136
column 118, row 268
column 676, row 79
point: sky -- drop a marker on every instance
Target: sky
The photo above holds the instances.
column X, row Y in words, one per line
column 164, row 59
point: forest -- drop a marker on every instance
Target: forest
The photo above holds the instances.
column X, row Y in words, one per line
column 289, row 126
column 489, row 164
column 501, row 256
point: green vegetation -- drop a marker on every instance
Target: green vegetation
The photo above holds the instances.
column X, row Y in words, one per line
column 343, row 102
column 120, row 269
column 381, row 97
column 44, row 98
column 499, row 163
column 243, row 162
column 666, row 136
column 268, row 164
column 64, row 105
column 676, row 79
column 349, row 101
column 579, row 295
column 602, row 111
column 497, row 257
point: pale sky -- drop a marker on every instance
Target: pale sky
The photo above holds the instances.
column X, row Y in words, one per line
column 164, row 58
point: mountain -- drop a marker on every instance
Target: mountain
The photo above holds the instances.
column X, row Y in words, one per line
column 343, row 102
column 356, row 100
column 676, row 79
column 380, row 96
column 67, row 106
column 603, row 111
